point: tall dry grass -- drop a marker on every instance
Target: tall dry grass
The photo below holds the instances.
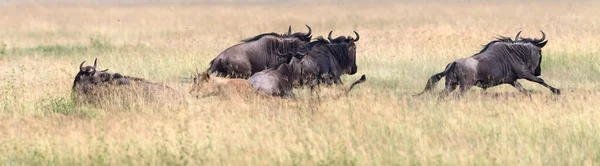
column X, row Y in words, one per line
column 380, row 123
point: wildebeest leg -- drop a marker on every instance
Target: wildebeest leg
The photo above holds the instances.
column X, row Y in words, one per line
column 450, row 86
column 519, row 87
column 326, row 77
column 464, row 88
column 431, row 83
column 466, row 83
column 542, row 82
column 435, row 78
column 289, row 94
column 338, row 81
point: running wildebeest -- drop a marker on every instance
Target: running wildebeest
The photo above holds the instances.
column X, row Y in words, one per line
column 92, row 86
column 326, row 61
column 257, row 54
column 501, row 61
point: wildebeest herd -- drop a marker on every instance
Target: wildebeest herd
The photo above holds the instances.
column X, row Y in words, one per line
column 273, row 64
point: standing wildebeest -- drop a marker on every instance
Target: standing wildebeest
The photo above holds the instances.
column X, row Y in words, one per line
column 326, row 61
column 92, row 86
column 501, row 61
column 257, row 54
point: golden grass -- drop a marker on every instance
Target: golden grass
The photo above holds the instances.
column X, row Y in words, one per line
column 380, row 123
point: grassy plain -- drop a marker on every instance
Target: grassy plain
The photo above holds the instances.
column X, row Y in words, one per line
column 380, row 123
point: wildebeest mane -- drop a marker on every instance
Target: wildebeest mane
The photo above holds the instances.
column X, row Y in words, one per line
column 317, row 41
column 340, row 52
column 255, row 38
column 498, row 39
column 520, row 50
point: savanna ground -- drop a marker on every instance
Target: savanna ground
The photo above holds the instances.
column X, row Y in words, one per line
column 402, row 44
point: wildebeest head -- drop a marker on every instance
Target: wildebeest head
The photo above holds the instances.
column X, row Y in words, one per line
column 536, row 45
column 349, row 43
column 539, row 43
column 306, row 37
column 88, row 75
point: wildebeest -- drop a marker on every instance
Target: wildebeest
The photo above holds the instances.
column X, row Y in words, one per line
column 275, row 81
column 257, row 54
column 326, row 61
column 92, row 86
column 501, row 61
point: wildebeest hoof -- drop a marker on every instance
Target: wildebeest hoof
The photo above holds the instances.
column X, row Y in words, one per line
column 556, row 91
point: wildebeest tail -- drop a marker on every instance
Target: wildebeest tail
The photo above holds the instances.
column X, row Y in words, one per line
column 362, row 79
column 433, row 80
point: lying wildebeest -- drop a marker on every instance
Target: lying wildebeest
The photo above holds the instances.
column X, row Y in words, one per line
column 257, row 54
column 92, row 86
column 274, row 81
column 326, row 61
column 501, row 61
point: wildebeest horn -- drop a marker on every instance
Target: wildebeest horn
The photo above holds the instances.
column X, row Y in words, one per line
column 357, row 36
column 81, row 66
column 289, row 30
column 517, row 37
column 104, row 70
column 329, row 36
column 95, row 63
column 543, row 36
column 309, row 30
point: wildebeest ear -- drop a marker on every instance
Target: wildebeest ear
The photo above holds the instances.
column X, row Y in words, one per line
column 542, row 44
